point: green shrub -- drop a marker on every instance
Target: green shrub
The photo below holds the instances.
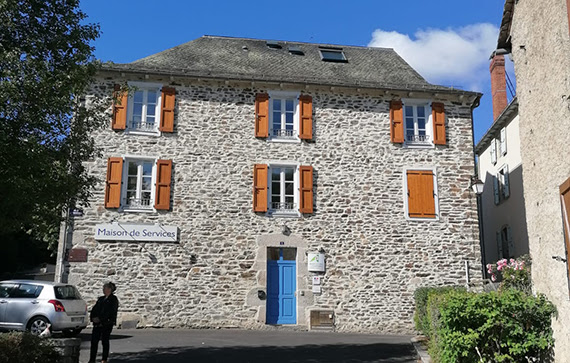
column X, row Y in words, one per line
column 421, row 296
column 505, row 326
column 25, row 347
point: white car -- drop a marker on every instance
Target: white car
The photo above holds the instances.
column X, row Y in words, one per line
column 32, row 305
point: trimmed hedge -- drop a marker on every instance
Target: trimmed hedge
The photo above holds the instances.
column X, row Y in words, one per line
column 26, row 347
column 421, row 296
column 505, row 326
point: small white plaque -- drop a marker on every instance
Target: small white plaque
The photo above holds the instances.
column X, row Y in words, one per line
column 316, row 262
column 316, row 280
column 317, row 289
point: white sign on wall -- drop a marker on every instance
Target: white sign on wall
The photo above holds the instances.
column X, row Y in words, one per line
column 135, row 232
column 316, row 262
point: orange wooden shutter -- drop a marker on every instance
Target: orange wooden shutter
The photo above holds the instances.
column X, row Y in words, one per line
column 119, row 109
column 163, row 180
column 306, row 117
column 306, row 189
column 262, row 115
column 438, row 118
column 421, row 194
column 396, row 122
column 113, row 183
column 565, row 201
column 260, row 187
column 167, row 109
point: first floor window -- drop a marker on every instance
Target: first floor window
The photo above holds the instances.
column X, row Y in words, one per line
column 283, row 196
column 284, row 118
column 565, row 205
column 417, row 119
column 501, row 185
column 138, row 194
column 144, row 108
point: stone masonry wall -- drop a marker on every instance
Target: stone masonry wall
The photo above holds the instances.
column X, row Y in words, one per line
column 375, row 257
column 541, row 51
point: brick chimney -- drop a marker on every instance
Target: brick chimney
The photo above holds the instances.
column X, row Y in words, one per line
column 498, row 85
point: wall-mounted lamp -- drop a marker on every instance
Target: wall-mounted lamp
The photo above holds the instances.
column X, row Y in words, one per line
column 477, row 185
column 285, row 230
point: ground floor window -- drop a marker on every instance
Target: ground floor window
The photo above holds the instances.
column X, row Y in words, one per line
column 505, row 243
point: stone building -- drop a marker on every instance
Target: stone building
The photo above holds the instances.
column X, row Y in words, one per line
column 499, row 166
column 537, row 34
column 249, row 183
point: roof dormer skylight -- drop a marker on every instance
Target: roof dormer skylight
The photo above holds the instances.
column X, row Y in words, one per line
column 295, row 49
column 272, row 44
column 332, row 55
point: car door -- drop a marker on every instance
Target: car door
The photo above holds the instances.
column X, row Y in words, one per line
column 5, row 290
column 22, row 304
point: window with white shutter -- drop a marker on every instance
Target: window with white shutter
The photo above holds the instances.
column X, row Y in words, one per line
column 503, row 141
column 493, row 152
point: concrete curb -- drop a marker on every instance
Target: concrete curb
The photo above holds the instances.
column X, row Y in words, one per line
column 422, row 352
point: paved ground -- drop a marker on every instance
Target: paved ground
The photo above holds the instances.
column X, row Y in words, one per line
column 212, row 346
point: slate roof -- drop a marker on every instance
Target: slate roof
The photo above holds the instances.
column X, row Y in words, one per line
column 252, row 60
column 504, row 40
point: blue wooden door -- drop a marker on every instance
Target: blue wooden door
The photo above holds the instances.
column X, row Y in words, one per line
column 281, row 285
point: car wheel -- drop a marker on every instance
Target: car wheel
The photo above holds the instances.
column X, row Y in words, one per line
column 71, row 333
column 37, row 325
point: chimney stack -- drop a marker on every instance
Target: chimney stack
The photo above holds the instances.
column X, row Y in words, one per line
column 498, row 85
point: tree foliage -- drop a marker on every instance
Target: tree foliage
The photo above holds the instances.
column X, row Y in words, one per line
column 46, row 65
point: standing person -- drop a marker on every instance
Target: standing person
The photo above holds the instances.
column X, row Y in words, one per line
column 104, row 316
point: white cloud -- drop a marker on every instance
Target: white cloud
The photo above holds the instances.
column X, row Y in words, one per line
column 450, row 56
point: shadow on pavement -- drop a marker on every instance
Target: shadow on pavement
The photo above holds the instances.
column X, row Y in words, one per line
column 86, row 337
column 396, row 353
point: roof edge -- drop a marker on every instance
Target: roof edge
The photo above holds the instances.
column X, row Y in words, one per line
column 501, row 122
column 503, row 41
column 126, row 67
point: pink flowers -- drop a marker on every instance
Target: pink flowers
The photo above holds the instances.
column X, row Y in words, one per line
column 503, row 265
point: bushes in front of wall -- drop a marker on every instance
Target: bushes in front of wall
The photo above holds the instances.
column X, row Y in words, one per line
column 421, row 296
column 503, row 326
column 26, row 347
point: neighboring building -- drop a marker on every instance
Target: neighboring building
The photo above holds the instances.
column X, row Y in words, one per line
column 537, row 33
column 499, row 166
column 359, row 168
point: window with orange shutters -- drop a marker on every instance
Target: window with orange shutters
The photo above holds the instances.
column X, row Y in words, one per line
column 421, row 196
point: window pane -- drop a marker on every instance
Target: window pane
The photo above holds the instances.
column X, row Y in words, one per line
column 289, row 172
column 138, row 97
column 275, row 199
column 150, row 120
column 290, row 202
column 273, row 253
column 146, row 183
column 410, row 124
column 150, row 110
column 277, row 120
column 147, row 168
column 145, row 198
column 289, row 254
column 5, row 289
column 277, row 105
column 289, row 187
column 289, row 105
column 133, row 168
column 409, row 111
column 421, row 123
column 26, row 291
column 275, row 174
column 275, row 188
column 421, row 111
column 151, row 98
column 132, row 183
column 289, row 118
column 131, row 195
column 137, row 109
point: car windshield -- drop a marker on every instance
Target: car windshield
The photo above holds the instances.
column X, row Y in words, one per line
column 68, row 292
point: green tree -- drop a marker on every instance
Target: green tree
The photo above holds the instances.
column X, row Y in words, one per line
column 46, row 65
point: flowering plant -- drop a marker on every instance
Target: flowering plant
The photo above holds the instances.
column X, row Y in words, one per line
column 512, row 273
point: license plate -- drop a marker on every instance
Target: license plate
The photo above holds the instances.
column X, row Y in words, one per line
column 80, row 320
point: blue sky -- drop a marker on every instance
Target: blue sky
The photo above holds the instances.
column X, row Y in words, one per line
column 448, row 42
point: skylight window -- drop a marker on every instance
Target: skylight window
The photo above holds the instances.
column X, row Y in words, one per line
column 273, row 44
column 295, row 49
column 332, row 55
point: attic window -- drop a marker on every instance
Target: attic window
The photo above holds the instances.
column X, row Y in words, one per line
column 332, row 55
column 295, row 49
column 273, row 44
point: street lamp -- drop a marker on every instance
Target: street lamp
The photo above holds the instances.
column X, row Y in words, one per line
column 477, row 185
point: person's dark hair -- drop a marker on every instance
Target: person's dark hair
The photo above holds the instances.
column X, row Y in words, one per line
column 111, row 286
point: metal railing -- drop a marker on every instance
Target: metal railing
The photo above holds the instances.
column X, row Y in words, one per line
column 283, row 133
column 418, row 139
column 136, row 203
column 142, row 126
column 283, row 207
